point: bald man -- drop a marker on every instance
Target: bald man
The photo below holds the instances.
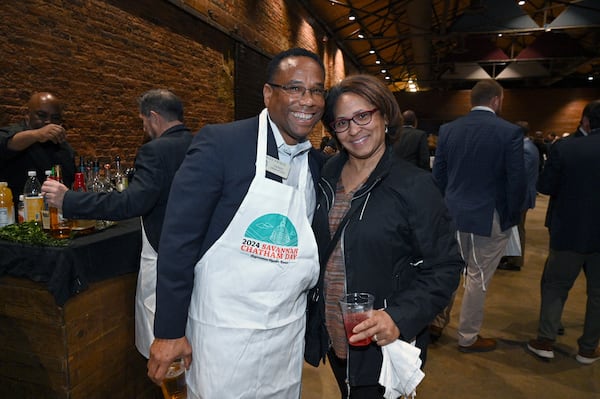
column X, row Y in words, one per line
column 36, row 143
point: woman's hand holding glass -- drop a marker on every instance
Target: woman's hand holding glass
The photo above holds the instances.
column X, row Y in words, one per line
column 379, row 326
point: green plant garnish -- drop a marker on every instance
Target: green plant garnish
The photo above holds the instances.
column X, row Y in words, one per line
column 30, row 233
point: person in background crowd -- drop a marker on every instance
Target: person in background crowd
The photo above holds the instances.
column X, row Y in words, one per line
column 480, row 170
column 398, row 242
column 237, row 254
column 412, row 144
column 328, row 146
column 531, row 169
column 156, row 162
column 36, row 143
column 571, row 178
column 543, row 146
column 583, row 130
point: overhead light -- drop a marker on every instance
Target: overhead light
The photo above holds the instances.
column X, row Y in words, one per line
column 521, row 2
column 361, row 35
column 590, row 77
column 387, row 77
column 378, row 61
column 383, row 70
column 351, row 17
column 499, row 34
column 372, row 51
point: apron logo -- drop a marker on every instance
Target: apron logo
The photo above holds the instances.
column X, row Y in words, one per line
column 271, row 237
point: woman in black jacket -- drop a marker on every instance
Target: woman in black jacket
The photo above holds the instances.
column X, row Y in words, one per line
column 394, row 239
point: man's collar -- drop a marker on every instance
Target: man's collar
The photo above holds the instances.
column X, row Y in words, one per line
column 482, row 108
column 282, row 146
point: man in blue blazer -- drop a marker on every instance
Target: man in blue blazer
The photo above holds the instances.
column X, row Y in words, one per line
column 531, row 172
column 479, row 168
column 571, row 177
column 237, row 254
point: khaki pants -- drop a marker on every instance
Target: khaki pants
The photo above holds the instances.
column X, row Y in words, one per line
column 482, row 255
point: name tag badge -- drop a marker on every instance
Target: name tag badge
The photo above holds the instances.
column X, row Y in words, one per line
column 278, row 167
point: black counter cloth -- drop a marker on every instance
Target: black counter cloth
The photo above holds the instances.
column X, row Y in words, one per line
column 68, row 270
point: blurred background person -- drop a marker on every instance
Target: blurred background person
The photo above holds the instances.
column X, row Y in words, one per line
column 480, row 170
column 531, row 157
column 161, row 112
column 37, row 143
column 571, row 178
column 412, row 144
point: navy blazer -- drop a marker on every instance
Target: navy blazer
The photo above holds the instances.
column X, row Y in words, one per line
column 206, row 194
column 156, row 163
column 479, row 167
column 412, row 146
column 571, row 177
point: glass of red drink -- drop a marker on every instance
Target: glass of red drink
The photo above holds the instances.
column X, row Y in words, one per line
column 356, row 307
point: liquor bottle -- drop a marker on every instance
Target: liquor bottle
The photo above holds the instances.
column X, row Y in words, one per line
column 46, row 209
column 21, row 209
column 79, row 183
column 79, row 186
column 109, row 181
column 59, row 226
column 121, row 181
column 81, row 167
column 96, row 183
column 34, row 202
column 7, row 207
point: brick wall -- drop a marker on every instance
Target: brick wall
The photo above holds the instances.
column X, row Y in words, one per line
column 99, row 56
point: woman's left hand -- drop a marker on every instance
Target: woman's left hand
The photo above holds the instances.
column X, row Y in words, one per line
column 379, row 327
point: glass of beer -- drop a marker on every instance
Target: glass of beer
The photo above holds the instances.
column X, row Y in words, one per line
column 356, row 308
column 174, row 386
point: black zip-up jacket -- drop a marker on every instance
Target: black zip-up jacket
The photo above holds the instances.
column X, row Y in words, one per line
column 399, row 244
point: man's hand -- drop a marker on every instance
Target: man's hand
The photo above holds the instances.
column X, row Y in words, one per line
column 54, row 192
column 51, row 132
column 163, row 352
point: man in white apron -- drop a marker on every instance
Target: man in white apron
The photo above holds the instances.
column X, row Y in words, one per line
column 237, row 254
column 156, row 162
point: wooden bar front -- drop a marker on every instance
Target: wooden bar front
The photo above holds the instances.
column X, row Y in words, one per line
column 67, row 327
column 83, row 350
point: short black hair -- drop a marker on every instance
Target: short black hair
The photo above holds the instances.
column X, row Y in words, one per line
column 592, row 111
column 274, row 64
column 163, row 102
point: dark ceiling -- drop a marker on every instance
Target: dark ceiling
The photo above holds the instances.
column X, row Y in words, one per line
column 449, row 44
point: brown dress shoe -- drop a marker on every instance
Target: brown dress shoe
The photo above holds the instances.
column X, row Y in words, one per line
column 480, row 345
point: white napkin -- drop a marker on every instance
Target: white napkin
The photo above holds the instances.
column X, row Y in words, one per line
column 401, row 370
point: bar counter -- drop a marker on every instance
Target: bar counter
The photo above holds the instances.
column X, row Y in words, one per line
column 67, row 318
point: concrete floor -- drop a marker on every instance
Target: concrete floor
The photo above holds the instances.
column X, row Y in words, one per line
column 511, row 314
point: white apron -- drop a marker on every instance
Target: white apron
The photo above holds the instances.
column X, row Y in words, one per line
column 246, row 319
column 145, row 297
